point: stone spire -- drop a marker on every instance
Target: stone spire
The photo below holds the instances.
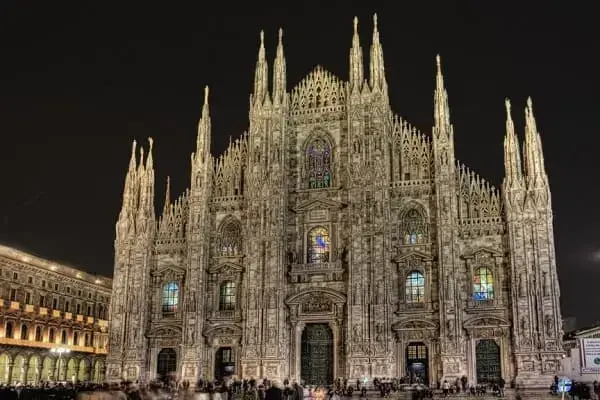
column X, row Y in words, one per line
column 533, row 155
column 167, row 196
column 441, row 108
column 279, row 73
column 377, row 68
column 126, row 223
column 261, row 74
column 513, row 177
column 356, row 60
column 147, row 183
column 204, row 131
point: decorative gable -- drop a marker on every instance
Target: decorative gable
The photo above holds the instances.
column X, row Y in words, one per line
column 319, row 91
column 318, row 204
column 226, row 268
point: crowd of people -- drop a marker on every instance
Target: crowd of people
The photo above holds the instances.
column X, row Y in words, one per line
column 251, row 389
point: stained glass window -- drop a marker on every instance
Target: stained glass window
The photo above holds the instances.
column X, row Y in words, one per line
column 415, row 287
column 170, row 298
column 413, row 227
column 318, row 246
column 483, row 284
column 227, row 296
column 318, row 160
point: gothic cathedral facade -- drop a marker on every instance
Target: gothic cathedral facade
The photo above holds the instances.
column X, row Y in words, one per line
column 336, row 240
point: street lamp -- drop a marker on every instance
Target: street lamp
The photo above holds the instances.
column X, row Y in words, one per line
column 60, row 351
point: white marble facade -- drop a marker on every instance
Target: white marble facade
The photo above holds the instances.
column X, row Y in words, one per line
column 333, row 210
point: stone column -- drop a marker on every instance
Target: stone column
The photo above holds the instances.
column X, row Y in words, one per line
column 10, row 366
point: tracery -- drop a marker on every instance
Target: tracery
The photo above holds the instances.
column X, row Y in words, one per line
column 318, row 245
column 230, row 238
column 483, row 284
column 318, row 164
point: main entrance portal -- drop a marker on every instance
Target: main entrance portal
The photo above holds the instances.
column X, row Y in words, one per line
column 487, row 356
column 417, row 362
column 167, row 362
column 224, row 363
column 317, row 355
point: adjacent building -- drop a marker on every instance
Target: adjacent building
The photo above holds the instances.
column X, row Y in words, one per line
column 582, row 361
column 53, row 320
column 334, row 239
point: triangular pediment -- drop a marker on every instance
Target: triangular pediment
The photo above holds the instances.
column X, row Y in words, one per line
column 319, row 89
column 483, row 251
column 318, row 204
column 413, row 255
column 228, row 267
column 169, row 270
column 413, row 324
column 490, row 321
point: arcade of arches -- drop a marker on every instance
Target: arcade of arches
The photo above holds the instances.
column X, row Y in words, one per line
column 32, row 368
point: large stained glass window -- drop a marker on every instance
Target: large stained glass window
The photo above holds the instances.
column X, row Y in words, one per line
column 415, row 287
column 483, row 284
column 318, row 160
column 170, row 298
column 227, row 296
column 413, row 227
column 318, row 246
column 229, row 243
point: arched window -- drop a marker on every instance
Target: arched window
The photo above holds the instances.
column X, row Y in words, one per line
column 38, row 334
column 230, row 238
column 413, row 228
column 170, row 298
column 51, row 335
column 167, row 362
column 24, row 332
column 8, row 331
column 318, row 246
column 227, row 296
column 75, row 339
column 415, row 287
column 318, row 164
column 483, row 284
column 63, row 337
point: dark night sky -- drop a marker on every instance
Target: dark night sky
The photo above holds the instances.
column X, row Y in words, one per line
column 78, row 82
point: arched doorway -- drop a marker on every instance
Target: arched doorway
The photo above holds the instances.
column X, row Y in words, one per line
column 224, row 362
column 167, row 362
column 417, row 362
column 316, row 357
column 487, row 361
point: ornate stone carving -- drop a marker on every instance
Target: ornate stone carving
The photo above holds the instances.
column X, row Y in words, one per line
column 317, row 304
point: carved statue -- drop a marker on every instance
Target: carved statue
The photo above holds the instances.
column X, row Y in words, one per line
column 357, row 299
column 357, row 333
column 273, row 300
column 451, row 330
column 450, row 287
column 523, row 285
column 549, row 325
column 379, row 332
column 525, row 326
column 546, row 284
column 272, row 334
column 190, row 334
column 252, row 335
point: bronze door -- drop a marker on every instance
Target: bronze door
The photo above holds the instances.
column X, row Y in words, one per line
column 167, row 362
column 487, row 356
column 417, row 362
column 317, row 355
column 224, row 363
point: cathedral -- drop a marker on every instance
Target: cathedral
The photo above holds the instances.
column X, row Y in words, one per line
column 335, row 240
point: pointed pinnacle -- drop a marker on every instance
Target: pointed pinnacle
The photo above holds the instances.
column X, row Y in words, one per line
column 529, row 103
column 262, row 38
column 438, row 62
column 151, row 142
column 356, row 25
column 375, row 21
column 280, row 35
column 206, row 94
column 507, row 104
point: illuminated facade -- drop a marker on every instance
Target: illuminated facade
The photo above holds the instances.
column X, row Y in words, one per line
column 336, row 240
column 53, row 321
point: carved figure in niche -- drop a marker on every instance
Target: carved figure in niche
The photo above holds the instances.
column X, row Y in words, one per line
column 450, row 287
column 549, row 325
column 525, row 326
column 272, row 335
column 357, row 333
column 444, row 157
column 191, row 306
column 379, row 332
column 451, row 330
column 546, row 284
column 273, row 300
column 533, row 290
column 523, row 285
column 190, row 334
column 252, row 335
column 251, row 299
column 356, row 146
column 356, row 296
